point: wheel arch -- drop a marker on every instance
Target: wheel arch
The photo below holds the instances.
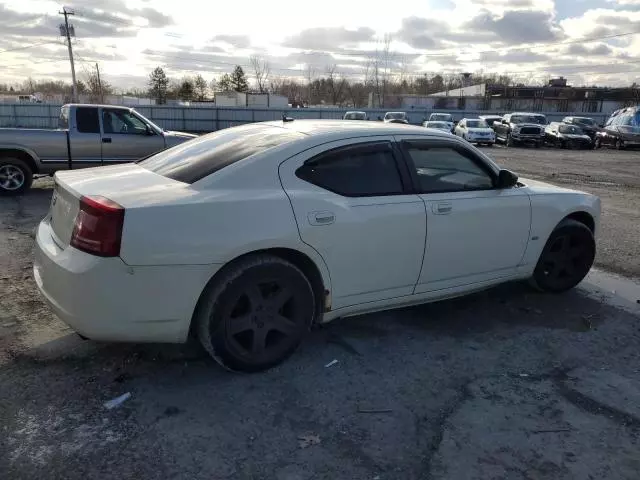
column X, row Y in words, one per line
column 583, row 217
column 316, row 275
column 20, row 153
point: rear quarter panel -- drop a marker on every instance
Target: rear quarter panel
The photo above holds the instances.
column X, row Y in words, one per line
column 237, row 210
column 549, row 206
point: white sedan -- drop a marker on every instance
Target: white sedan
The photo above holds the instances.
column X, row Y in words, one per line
column 475, row 130
column 247, row 236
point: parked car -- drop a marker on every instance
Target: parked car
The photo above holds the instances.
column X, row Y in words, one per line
column 491, row 119
column 355, row 116
column 395, row 117
column 588, row 125
column 562, row 135
column 621, row 130
column 521, row 128
column 88, row 136
column 443, row 117
column 248, row 235
column 442, row 126
column 474, row 130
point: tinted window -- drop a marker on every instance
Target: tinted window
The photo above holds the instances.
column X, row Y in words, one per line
column 476, row 124
column 87, row 120
column 202, row 156
column 572, row 129
column 361, row 171
column 447, row 169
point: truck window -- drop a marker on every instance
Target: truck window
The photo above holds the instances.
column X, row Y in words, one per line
column 63, row 121
column 122, row 121
column 87, row 120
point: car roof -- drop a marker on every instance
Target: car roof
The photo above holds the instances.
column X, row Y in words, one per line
column 527, row 113
column 93, row 105
column 490, row 116
column 346, row 128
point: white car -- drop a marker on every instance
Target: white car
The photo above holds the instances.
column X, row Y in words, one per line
column 442, row 117
column 355, row 116
column 442, row 126
column 474, row 130
column 247, row 236
column 395, row 117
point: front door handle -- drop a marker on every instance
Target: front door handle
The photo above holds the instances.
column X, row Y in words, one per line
column 106, row 140
column 442, row 208
column 321, row 218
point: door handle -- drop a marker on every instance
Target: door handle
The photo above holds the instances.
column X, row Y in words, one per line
column 321, row 218
column 106, row 140
column 442, row 208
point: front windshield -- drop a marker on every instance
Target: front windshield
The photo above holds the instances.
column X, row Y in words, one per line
column 151, row 124
column 477, row 124
column 437, row 125
column 585, row 121
column 444, row 117
column 539, row 119
column 355, row 116
column 395, row 116
column 571, row 129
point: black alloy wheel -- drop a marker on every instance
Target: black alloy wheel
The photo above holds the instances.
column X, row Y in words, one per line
column 567, row 257
column 257, row 314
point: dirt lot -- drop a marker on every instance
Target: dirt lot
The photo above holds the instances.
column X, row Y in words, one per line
column 507, row 384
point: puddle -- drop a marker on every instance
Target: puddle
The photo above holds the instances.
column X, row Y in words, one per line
column 612, row 289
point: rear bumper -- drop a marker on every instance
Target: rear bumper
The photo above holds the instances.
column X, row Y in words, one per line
column 105, row 299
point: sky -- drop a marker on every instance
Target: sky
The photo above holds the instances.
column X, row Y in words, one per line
column 590, row 42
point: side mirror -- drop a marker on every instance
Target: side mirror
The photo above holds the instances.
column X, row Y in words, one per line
column 149, row 131
column 506, row 179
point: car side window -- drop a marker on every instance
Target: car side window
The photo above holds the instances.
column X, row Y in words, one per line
column 441, row 168
column 87, row 120
column 122, row 121
column 355, row 171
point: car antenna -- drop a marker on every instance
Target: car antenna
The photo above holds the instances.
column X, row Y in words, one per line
column 286, row 119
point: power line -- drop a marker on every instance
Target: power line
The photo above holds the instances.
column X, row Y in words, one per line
column 27, row 46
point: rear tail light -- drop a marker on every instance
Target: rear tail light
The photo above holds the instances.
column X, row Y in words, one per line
column 98, row 227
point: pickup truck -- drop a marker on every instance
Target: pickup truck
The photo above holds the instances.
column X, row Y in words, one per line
column 88, row 136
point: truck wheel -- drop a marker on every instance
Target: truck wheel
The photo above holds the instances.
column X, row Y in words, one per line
column 15, row 176
column 256, row 313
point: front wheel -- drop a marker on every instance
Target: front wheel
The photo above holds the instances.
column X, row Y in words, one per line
column 566, row 258
column 509, row 141
column 597, row 143
column 619, row 145
column 256, row 313
column 15, row 176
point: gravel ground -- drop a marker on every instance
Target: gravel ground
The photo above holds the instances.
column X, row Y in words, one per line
column 508, row 383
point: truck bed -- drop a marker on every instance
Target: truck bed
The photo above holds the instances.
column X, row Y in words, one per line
column 49, row 146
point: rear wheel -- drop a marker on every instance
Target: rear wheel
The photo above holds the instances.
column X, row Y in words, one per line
column 256, row 314
column 597, row 143
column 15, row 176
column 618, row 144
column 566, row 258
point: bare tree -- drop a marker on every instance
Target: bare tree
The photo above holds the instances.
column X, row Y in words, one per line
column 336, row 85
column 261, row 70
column 309, row 74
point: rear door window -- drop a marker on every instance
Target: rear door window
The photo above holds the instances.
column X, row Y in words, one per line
column 200, row 157
column 87, row 120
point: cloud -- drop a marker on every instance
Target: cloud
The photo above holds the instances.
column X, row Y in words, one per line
column 422, row 33
column 601, row 49
column 518, row 26
column 329, row 38
column 517, row 57
column 512, row 4
column 238, row 41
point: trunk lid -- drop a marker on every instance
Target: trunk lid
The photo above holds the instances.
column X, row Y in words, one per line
column 129, row 185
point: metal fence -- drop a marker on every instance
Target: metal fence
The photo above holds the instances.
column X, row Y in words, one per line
column 208, row 119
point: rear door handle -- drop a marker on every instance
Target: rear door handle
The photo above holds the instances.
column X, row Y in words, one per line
column 321, row 218
column 106, row 140
column 442, row 208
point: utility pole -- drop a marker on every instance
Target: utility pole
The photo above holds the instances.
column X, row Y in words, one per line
column 99, row 84
column 67, row 31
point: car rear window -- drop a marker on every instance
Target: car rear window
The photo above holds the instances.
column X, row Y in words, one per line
column 197, row 158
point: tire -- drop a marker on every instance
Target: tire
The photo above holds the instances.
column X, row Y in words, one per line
column 246, row 322
column 489, row 144
column 618, row 144
column 16, row 176
column 566, row 258
column 597, row 143
column 538, row 144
